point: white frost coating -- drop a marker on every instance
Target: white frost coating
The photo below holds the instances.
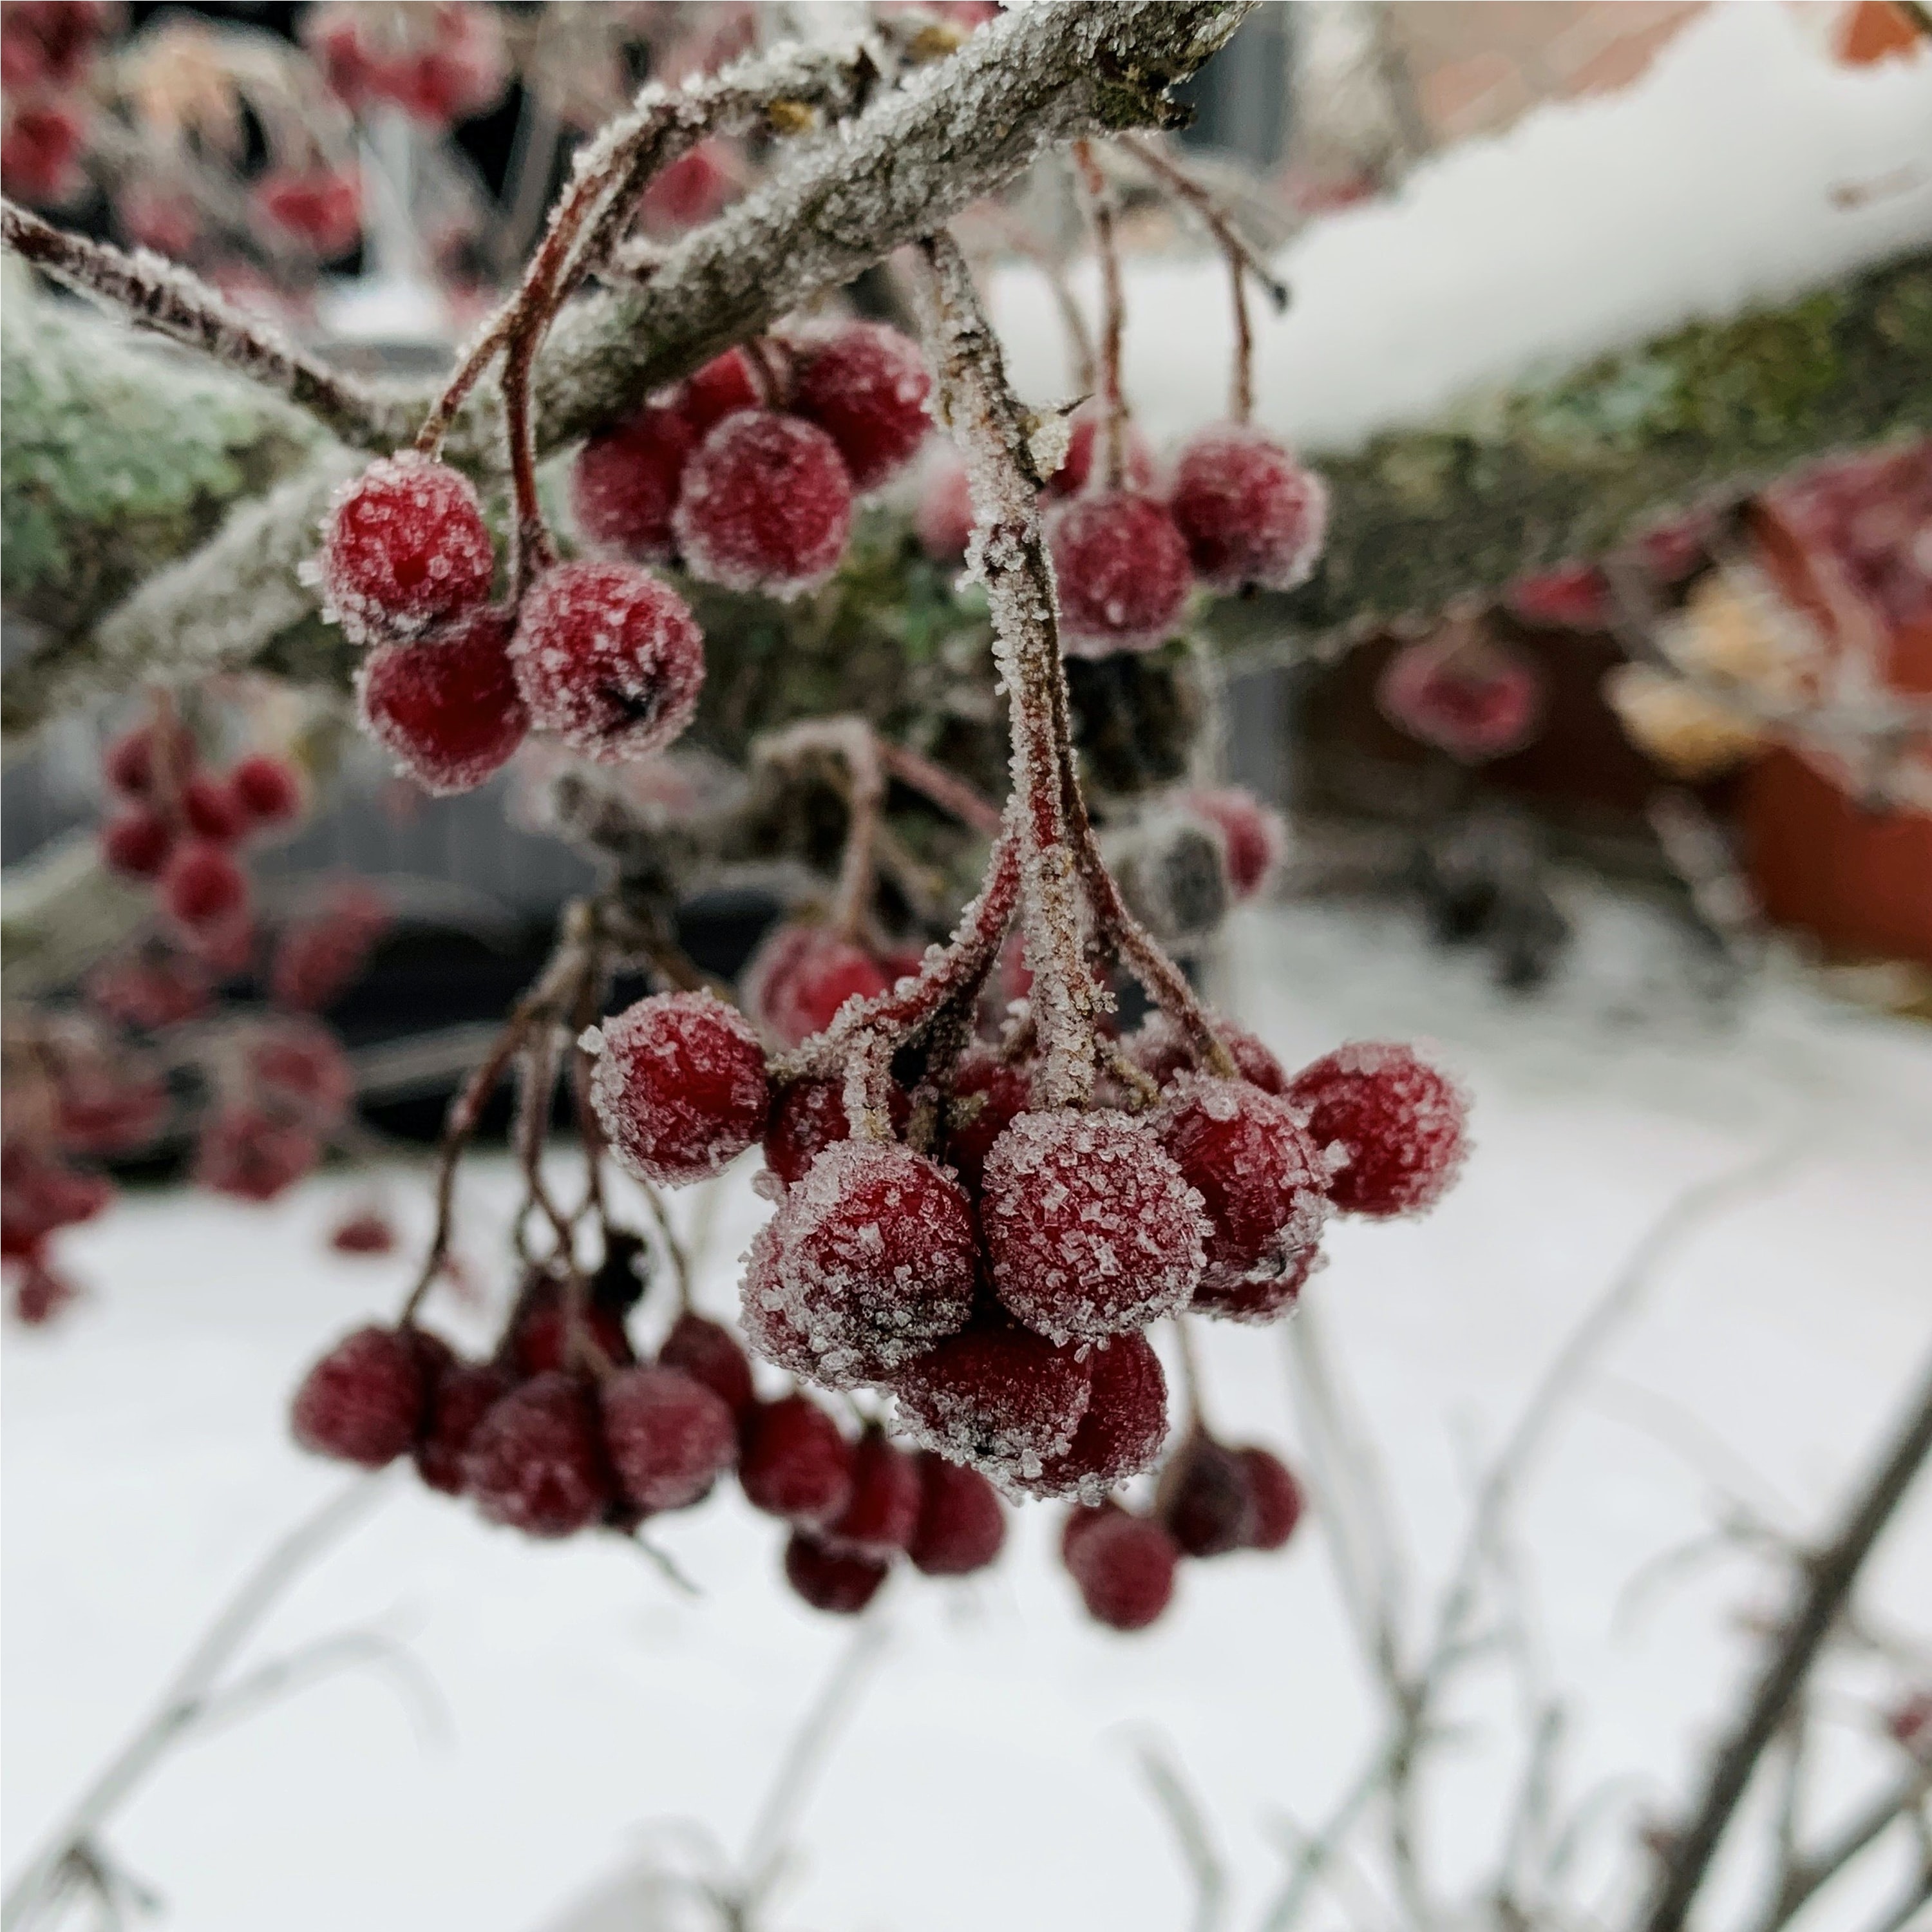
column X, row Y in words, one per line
column 1706, row 187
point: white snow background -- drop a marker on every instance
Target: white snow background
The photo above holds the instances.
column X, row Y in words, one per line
column 988, row 1776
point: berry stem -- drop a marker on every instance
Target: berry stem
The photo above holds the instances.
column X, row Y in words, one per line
column 942, row 788
column 1098, row 200
column 1191, row 1381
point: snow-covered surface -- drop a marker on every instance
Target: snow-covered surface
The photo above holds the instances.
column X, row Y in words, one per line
column 988, row 1778
column 1720, row 179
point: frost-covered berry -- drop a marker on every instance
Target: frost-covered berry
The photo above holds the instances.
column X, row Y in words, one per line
column 136, row 843
column 1091, row 1231
column 831, row 1579
column 253, row 1155
column 448, row 712
column 766, row 506
column 874, row 1258
column 866, row 388
column 1475, row 701
column 1262, row 1183
column 679, row 1086
column 708, row 1352
column 202, row 887
column 460, row 1396
column 1205, row 1498
column 669, row 1437
column 40, row 147
column 943, row 520
column 808, row 1117
column 363, row 1402
column 1159, row 1047
column 1400, row 1121
column 998, row 1397
column 1122, row 1431
column 1274, row 1497
column 724, row 386
column 302, row 1065
column 800, row 977
column 773, row 1337
column 406, row 548
column 988, row 1094
column 542, row 1338
column 265, row 790
column 961, row 1527
column 883, row 1512
column 624, row 482
column 212, row 810
column 320, row 207
column 1121, row 567
column 1124, row 1565
column 1250, row 513
column 1084, row 440
column 1254, row 834
column 535, row 1462
column 1255, row 1299
column 794, row 1463
column 608, row 658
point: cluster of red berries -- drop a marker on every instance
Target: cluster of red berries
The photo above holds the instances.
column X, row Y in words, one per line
column 562, row 1431
column 46, row 47
column 1236, row 512
column 746, row 474
column 441, row 63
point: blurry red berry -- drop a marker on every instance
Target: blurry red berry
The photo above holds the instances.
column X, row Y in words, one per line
column 250, row 1154
column 1122, row 571
column 136, row 843
column 943, row 520
column 669, row 1437
column 40, row 147
column 1124, row 1565
column 1205, row 1498
column 39, row 1194
column 202, row 887
column 1254, row 833
column 110, row 1113
column 147, row 992
column 319, row 206
column 40, row 1294
column 129, row 761
column 1474, row 701
column 961, row 1527
column 830, row 1579
column 1085, row 439
column 460, row 1395
column 708, row 1352
column 765, row 504
column 535, row 1462
column 363, row 1402
column 794, row 1463
column 624, row 483
column 696, row 186
column 302, row 1065
column 866, row 388
column 724, row 386
column 1576, row 596
column 1275, row 1498
column 800, row 976
column 1250, row 513
column 367, row 1233
column 266, row 789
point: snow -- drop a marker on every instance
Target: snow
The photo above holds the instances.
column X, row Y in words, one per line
column 989, row 1775
column 1719, row 180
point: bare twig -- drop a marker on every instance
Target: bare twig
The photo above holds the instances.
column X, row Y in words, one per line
column 1192, row 1832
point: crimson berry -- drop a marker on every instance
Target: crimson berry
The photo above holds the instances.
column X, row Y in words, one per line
column 247, row 1153
column 874, row 1257
column 708, row 1352
column 809, row 1118
column 1204, row 1498
column 363, row 1401
column 887, row 1496
column 866, row 388
column 266, row 789
column 1259, row 1178
column 320, row 207
column 39, row 153
column 961, row 1527
column 151, row 993
column 1123, row 1429
column 767, row 504
column 774, row 1336
column 1401, row 1123
column 1084, row 439
column 1081, row 1518
column 943, row 520
column 694, row 188
column 1259, row 1298
column 1250, row 513
column 107, row 1114
column 679, row 1086
column 1252, row 833
column 317, row 961
column 136, row 843
column 460, row 1395
column 669, row 1437
column 129, row 761
column 999, row 1396
column 540, row 1339
column 535, row 1462
column 1091, row 1231
column 368, row 1233
column 39, row 1195
column 41, row 1294
column 48, row 43
column 988, row 1095
column 302, row 1064
column 794, row 1463
column 624, row 482
column 448, row 711
column 202, row 886
column 801, row 976
column 211, row 809
column 724, row 386
column 607, row 658
column 1121, row 567
column 1574, row 596
column 406, row 548
column 1475, row 702
column 1159, row 1047
column 1124, row 1565
column 1275, row 1498
column 831, row 1579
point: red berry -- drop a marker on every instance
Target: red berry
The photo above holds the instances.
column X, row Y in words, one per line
column 794, row 1463
column 1575, row 596
column 607, row 658
column 998, row 1397
column 40, row 1295
column 874, row 1258
column 461, row 1394
column 48, row 43
column 1259, row 1178
column 1080, row 1519
column 362, row 1403
column 110, row 1113
column 691, row 189
column 535, row 1462
column 1400, row 1122
column 129, row 761
column 961, row 1527
column 1258, row 1299
column 151, row 993
column 1253, row 833
column 801, row 976
column 988, row 1095
column 624, row 483
column 448, row 711
column 212, row 810
column 136, row 843
column 1475, row 701
column 266, row 789
column 41, row 148
column 774, row 1337
column 1091, row 1229
column 723, row 387
column 767, row 504
column 39, row 1194
column 368, row 1233
column 246, row 1153
column 669, row 1437
column 1205, row 1499
column 679, row 1086
column 303, row 1065
column 317, row 961
column 405, row 549
column 866, row 388
column 809, row 1118
column 830, row 1579
column 944, row 521
column 1122, row 1431
column 1274, row 1496
column 883, row 1513
column 708, row 1352
column 1084, row 439
column 202, row 887
column 1160, row 1048
column 1250, row 513
column 1122, row 571
column 320, row 207
column 1124, row 1565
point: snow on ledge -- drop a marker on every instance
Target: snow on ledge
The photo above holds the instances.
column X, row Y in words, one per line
column 1704, row 188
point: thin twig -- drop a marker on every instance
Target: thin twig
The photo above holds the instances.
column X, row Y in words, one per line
column 1192, row 1832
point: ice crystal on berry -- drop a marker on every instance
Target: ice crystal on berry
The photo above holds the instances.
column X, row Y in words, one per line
column 765, row 505
column 1122, row 1431
column 406, row 548
column 999, row 1396
column 1250, row 513
column 1399, row 1121
column 1121, row 567
column 866, row 388
column 363, row 1402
